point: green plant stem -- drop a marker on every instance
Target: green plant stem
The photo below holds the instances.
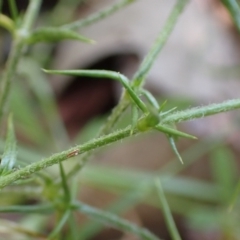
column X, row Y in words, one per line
column 140, row 75
column 201, row 112
column 188, row 114
column 167, row 212
column 97, row 16
column 43, row 209
column 59, row 157
column 113, row 220
column 8, row 74
column 60, row 225
column 67, row 194
column 15, row 53
column 31, row 15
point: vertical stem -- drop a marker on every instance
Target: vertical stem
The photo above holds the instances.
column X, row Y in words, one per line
column 15, row 53
column 8, row 74
column 162, row 38
column 13, row 9
column 31, row 14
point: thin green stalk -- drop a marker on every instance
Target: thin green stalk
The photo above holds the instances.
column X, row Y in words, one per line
column 201, row 112
column 97, row 16
column 13, row 9
column 113, row 137
column 113, row 220
column 60, row 225
column 140, row 75
column 43, row 209
column 31, row 15
column 15, row 53
column 73, row 227
column 67, row 194
column 59, row 157
column 167, row 213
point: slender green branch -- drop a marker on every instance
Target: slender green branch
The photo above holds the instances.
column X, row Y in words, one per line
column 44, row 208
column 31, row 14
column 140, row 75
column 59, row 157
column 200, row 112
column 60, row 225
column 15, row 53
column 167, row 212
column 113, row 220
column 8, row 74
column 97, row 16
column 188, row 114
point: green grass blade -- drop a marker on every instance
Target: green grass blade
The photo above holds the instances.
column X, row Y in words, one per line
column 167, row 212
column 114, row 221
column 224, row 172
column 13, row 10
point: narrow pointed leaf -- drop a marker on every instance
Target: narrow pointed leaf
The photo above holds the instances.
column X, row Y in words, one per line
column 60, row 225
column 10, row 149
column 167, row 213
column 174, row 148
column 55, row 35
column 162, row 105
column 105, row 74
column 173, row 132
column 151, row 99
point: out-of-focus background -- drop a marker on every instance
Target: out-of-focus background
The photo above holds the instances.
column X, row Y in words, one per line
column 198, row 65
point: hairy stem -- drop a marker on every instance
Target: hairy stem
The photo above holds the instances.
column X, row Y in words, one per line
column 162, row 38
column 200, row 112
column 59, row 157
column 97, row 16
column 188, row 114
